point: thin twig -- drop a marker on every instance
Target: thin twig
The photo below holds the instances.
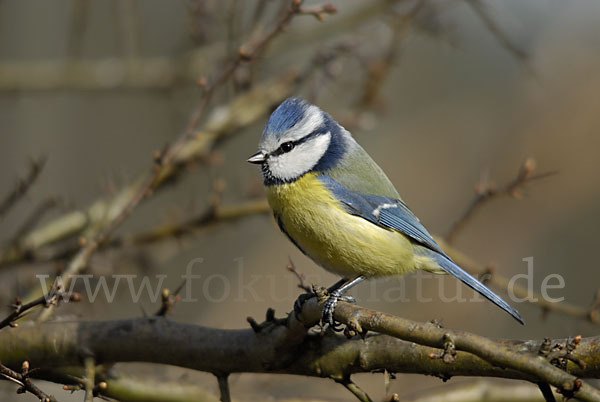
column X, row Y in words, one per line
column 546, row 392
column 162, row 232
column 355, row 389
column 22, row 186
column 501, row 37
column 380, row 68
column 486, row 192
column 319, row 11
column 168, row 300
column 25, row 384
column 90, row 378
column 54, row 296
column 207, row 218
column 300, row 276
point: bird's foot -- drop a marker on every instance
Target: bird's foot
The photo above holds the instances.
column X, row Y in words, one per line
column 329, row 307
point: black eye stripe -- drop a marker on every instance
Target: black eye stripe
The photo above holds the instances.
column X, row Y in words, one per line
column 315, row 133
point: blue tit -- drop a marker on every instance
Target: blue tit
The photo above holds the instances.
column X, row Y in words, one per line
column 339, row 208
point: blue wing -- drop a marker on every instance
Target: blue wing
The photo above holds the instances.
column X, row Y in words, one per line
column 393, row 214
column 386, row 212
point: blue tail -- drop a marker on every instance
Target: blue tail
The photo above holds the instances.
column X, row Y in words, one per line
column 450, row 266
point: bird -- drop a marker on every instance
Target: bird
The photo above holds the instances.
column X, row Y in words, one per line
column 336, row 205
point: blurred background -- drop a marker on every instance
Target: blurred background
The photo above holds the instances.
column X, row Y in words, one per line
column 442, row 94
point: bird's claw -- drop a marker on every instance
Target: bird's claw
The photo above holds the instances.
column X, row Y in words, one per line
column 329, row 307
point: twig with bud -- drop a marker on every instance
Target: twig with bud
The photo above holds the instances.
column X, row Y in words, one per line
column 22, row 379
column 486, row 191
column 53, row 297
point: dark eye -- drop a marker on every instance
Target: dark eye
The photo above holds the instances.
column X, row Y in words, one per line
column 287, row 146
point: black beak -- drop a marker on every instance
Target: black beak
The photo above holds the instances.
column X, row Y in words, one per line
column 257, row 158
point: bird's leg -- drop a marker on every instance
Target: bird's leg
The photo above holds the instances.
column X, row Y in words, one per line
column 306, row 296
column 334, row 296
column 337, row 285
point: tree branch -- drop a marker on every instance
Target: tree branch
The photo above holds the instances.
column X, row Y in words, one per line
column 89, row 380
column 22, row 379
column 224, row 387
column 361, row 319
column 54, row 296
column 486, row 191
column 285, row 346
column 21, row 187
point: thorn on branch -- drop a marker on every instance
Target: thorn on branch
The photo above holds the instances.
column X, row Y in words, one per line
column 270, row 315
column 255, row 325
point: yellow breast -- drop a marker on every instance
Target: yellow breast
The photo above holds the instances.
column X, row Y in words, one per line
column 345, row 244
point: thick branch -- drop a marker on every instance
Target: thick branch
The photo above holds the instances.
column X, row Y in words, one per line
column 361, row 319
column 278, row 347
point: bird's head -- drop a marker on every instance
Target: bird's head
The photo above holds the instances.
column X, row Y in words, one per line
column 298, row 138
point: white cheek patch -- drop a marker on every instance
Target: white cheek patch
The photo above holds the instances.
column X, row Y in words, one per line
column 301, row 159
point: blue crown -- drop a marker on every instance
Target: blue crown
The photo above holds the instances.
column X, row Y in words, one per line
column 286, row 116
